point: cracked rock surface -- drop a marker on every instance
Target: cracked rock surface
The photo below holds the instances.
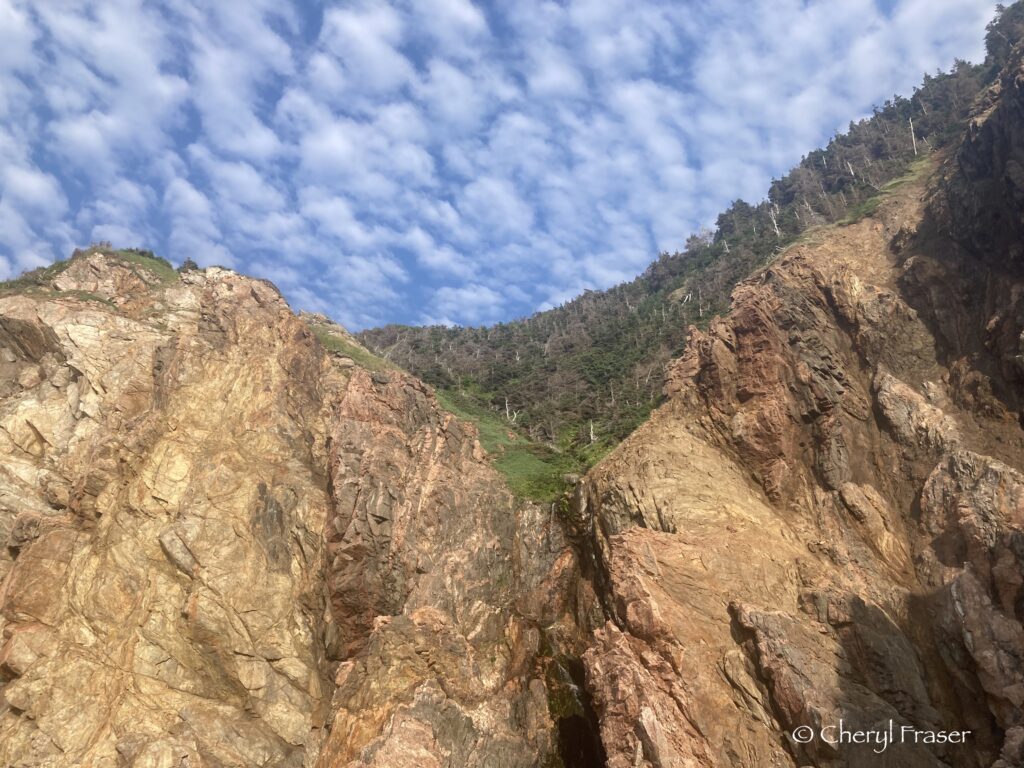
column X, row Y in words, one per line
column 825, row 521
column 226, row 546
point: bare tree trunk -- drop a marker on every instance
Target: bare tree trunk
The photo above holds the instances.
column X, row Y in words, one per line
column 912, row 137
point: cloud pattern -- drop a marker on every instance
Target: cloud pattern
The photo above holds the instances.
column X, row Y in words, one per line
column 429, row 160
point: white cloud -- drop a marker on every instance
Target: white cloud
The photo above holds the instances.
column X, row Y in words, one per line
column 472, row 304
column 17, row 34
column 496, row 207
column 454, row 97
column 235, row 54
column 627, row 37
column 238, row 182
column 224, row 92
column 457, row 25
column 438, row 257
column 106, row 78
column 554, row 74
column 194, row 233
column 365, row 42
column 335, row 216
column 32, row 190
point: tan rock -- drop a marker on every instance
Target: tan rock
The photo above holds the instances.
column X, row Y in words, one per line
column 220, row 530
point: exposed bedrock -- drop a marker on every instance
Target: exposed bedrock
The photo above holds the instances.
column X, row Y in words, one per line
column 225, row 546
column 824, row 521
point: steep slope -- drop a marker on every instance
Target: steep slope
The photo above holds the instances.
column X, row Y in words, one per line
column 583, row 375
column 824, row 521
column 229, row 546
column 580, row 377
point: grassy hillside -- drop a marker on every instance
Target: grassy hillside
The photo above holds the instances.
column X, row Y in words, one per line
column 533, row 471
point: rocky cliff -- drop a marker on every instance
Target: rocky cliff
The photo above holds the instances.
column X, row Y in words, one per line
column 234, row 538
column 229, row 546
column 824, row 523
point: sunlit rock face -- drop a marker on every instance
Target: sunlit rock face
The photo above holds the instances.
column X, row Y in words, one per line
column 163, row 597
column 824, row 522
column 226, row 546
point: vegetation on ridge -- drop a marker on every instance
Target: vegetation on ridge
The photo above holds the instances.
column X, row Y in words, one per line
column 157, row 265
column 333, row 341
column 580, row 377
column 533, row 470
column 41, row 278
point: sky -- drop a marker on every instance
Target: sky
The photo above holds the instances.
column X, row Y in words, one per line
column 430, row 161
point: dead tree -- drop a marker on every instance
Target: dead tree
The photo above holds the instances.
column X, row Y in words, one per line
column 808, row 207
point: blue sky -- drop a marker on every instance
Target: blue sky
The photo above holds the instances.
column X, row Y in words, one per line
column 432, row 160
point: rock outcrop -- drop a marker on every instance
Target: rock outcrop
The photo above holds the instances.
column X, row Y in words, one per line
column 824, row 522
column 228, row 546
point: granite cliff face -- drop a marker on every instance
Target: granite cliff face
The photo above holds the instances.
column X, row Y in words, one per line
column 824, row 522
column 226, row 546
column 235, row 539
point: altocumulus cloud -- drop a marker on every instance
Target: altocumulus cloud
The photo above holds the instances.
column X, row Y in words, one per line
column 429, row 160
